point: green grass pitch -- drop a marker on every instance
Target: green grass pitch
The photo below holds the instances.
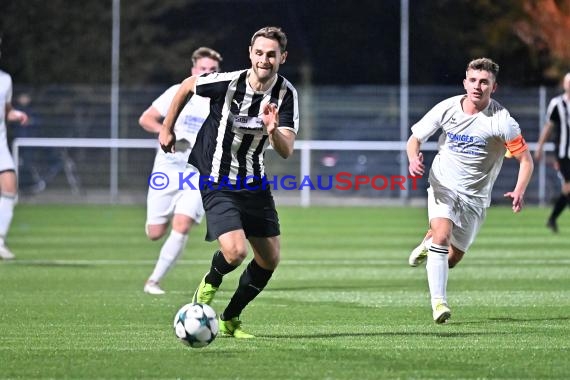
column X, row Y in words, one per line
column 342, row 305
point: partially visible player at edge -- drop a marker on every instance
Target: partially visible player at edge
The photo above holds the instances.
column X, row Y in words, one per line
column 181, row 206
column 249, row 109
column 557, row 125
column 8, row 180
column 476, row 129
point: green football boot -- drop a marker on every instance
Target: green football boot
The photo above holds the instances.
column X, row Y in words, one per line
column 232, row 327
column 205, row 293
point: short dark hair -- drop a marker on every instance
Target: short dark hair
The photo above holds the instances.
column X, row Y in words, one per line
column 273, row 33
column 205, row 52
column 486, row 64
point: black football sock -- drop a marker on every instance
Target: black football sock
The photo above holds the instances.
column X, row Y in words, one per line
column 220, row 267
column 559, row 207
column 251, row 283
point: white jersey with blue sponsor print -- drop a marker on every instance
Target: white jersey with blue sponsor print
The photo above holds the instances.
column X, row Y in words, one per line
column 191, row 117
column 472, row 150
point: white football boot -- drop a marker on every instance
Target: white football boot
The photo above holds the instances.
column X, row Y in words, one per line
column 419, row 254
column 5, row 253
column 152, row 287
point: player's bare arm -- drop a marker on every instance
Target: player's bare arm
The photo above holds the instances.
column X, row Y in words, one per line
column 151, row 120
column 526, row 167
column 544, row 136
column 282, row 140
column 416, row 165
column 16, row 116
column 166, row 137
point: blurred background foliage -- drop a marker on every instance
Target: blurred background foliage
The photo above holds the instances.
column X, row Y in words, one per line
column 330, row 42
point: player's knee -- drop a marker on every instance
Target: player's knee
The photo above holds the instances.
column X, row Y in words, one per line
column 182, row 224
column 8, row 182
column 440, row 239
column 154, row 236
column 236, row 257
column 440, row 234
column 272, row 262
column 267, row 251
column 155, row 231
column 235, row 253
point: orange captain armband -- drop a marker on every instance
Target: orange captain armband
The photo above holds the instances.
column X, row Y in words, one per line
column 516, row 146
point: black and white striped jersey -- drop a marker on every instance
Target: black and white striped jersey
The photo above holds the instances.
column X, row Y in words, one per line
column 558, row 114
column 232, row 141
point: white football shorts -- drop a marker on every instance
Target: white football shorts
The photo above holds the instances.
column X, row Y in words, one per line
column 165, row 198
column 467, row 219
column 6, row 160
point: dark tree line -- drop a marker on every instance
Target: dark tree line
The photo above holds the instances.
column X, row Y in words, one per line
column 341, row 42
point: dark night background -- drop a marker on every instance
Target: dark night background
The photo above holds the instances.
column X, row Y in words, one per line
column 342, row 42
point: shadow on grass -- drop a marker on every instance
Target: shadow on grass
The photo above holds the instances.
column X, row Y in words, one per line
column 511, row 319
column 398, row 285
column 450, row 334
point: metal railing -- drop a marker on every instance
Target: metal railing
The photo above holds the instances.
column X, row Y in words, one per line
column 306, row 147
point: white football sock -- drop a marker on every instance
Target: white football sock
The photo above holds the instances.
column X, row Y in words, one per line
column 170, row 251
column 437, row 270
column 7, row 203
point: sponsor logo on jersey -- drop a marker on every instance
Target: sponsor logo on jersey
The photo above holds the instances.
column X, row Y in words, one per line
column 247, row 124
column 463, row 143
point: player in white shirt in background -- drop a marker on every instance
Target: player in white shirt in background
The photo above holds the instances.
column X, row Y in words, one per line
column 476, row 131
column 8, row 180
column 183, row 208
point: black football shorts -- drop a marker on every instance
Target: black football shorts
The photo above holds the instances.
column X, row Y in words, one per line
column 234, row 209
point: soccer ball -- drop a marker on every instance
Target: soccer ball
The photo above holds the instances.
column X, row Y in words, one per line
column 196, row 325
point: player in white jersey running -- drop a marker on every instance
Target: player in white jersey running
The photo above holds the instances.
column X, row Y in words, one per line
column 476, row 131
column 8, row 180
column 169, row 203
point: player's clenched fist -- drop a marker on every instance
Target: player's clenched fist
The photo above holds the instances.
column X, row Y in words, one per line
column 166, row 139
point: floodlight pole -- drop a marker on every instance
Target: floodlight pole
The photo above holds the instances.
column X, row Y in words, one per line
column 404, row 87
column 541, row 163
column 114, row 122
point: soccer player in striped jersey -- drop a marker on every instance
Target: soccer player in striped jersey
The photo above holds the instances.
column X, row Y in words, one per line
column 558, row 125
column 249, row 109
column 182, row 207
column 8, row 180
column 476, row 129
